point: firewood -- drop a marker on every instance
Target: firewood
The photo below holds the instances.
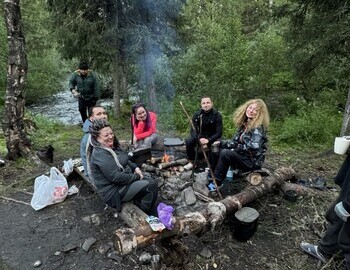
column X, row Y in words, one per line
column 155, row 160
column 210, row 216
column 177, row 162
column 165, row 174
column 254, row 178
column 132, row 215
column 202, row 197
column 148, row 168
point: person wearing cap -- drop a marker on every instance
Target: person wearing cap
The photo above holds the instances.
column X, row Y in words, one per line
column 83, row 85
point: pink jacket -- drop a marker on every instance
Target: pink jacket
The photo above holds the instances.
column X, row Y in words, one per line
column 140, row 129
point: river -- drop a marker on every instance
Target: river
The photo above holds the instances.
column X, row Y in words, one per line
column 62, row 107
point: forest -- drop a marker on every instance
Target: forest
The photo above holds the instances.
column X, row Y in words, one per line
column 292, row 54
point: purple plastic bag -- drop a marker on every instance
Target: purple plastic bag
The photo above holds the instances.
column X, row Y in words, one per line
column 165, row 215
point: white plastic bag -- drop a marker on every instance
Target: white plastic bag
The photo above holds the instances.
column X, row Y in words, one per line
column 49, row 190
column 68, row 166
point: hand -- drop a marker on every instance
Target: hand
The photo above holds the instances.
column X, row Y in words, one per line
column 75, row 93
column 139, row 172
column 341, row 212
column 203, row 141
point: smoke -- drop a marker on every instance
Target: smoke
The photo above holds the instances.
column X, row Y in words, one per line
column 150, row 44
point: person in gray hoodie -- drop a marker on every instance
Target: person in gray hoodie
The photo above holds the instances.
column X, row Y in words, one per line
column 96, row 112
column 116, row 178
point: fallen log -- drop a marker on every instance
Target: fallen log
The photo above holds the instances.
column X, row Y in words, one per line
column 213, row 214
column 178, row 162
column 254, row 178
column 132, row 215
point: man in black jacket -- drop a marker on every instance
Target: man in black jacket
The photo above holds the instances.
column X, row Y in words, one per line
column 208, row 129
column 337, row 235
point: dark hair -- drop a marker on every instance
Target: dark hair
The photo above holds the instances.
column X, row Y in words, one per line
column 133, row 111
column 96, row 127
column 91, row 110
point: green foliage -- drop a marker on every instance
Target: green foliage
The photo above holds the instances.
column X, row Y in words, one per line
column 312, row 128
column 54, row 133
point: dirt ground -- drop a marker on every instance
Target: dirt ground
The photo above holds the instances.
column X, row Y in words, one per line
column 53, row 237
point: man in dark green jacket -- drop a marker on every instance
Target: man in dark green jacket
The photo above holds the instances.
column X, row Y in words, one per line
column 84, row 86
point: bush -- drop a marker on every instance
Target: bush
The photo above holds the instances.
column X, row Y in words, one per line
column 315, row 127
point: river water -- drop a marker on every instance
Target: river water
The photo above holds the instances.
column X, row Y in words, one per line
column 62, row 107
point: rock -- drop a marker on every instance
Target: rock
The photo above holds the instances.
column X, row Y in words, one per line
column 145, row 258
column 95, row 219
column 182, row 186
column 186, row 176
column 37, row 263
column 87, row 219
column 69, row 247
column 88, row 243
column 202, row 178
column 188, row 196
column 114, row 256
column 206, row 253
column 103, row 249
column 201, row 188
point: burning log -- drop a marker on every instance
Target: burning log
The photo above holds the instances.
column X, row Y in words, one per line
column 213, row 214
column 178, row 162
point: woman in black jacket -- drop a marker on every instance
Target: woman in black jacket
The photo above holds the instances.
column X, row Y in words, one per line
column 116, row 178
column 246, row 151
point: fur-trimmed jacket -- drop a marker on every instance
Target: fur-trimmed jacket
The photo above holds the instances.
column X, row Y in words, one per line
column 110, row 170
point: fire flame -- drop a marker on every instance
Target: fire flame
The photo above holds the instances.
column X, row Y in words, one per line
column 165, row 158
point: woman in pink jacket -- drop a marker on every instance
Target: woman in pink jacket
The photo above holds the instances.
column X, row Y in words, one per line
column 144, row 127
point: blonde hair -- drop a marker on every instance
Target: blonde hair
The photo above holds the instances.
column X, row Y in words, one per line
column 262, row 115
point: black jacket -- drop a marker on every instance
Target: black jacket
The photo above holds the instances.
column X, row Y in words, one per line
column 208, row 125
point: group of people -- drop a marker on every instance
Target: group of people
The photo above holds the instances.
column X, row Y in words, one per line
column 245, row 151
column 119, row 180
column 109, row 168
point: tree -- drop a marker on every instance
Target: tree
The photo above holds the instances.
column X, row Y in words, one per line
column 319, row 38
column 16, row 140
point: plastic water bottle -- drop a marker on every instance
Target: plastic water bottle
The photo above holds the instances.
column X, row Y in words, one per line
column 229, row 175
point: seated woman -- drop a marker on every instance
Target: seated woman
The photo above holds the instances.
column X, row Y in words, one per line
column 246, row 151
column 116, row 178
column 143, row 125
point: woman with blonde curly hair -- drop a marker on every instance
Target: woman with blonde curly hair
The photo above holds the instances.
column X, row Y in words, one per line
column 247, row 149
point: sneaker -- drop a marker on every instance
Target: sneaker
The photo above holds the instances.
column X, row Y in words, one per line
column 313, row 251
column 188, row 166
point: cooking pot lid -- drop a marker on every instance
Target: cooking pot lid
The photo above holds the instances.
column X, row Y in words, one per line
column 173, row 141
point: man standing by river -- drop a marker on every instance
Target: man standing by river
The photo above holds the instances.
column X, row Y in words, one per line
column 83, row 85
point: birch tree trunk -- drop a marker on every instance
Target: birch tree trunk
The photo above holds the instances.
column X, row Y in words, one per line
column 16, row 139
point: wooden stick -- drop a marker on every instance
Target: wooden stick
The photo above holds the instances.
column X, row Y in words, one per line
column 204, row 153
column 14, row 200
column 155, row 160
column 202, row 197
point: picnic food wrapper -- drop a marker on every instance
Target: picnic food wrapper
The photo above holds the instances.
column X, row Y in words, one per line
column 155, row 224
